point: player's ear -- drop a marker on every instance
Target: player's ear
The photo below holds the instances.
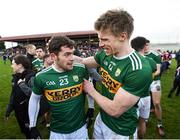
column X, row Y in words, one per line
column 123, row 36
column 53, row 56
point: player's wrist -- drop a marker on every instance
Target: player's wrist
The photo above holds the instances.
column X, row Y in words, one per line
column 92, row 92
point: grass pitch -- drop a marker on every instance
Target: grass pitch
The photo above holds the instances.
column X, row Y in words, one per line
column 171, row 109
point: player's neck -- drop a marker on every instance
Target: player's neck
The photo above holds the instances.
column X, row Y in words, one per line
column 123, row 51
column 59, row 69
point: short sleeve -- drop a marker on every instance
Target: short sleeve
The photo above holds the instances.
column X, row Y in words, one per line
column 37, row 88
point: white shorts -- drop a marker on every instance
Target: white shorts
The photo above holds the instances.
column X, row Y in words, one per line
column 81, row 133
column 144, row 107
column 155, row 86
column 101, row 131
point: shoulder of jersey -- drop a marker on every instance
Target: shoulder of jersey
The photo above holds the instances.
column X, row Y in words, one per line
column 136, row 61
column 44, row 70
column 37, row 59
column 155, row 53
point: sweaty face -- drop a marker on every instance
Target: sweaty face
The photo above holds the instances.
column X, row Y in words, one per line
column 64, row 60
column 108, row 42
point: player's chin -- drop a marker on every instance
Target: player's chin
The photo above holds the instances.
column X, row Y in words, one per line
column 69, row 67
column 108, row 53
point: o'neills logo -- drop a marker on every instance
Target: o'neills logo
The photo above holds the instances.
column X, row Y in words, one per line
column 60, row 95
column 109, row 82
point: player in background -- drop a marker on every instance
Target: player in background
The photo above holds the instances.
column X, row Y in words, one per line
column 155, row 88
column 139, row 44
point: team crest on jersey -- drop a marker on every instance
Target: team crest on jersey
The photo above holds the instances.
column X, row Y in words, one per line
column 105, row 63
column 117, row 73
column 75, row 78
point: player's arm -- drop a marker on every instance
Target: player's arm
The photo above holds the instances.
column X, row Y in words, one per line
column 94, row 74
column 89, row 61
column 33, row 109
column 121, row 103
column 157, row 72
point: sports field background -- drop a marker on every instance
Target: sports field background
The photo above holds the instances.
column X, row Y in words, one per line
column 171, row 109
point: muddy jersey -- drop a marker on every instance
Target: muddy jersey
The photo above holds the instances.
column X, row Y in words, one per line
column 64, row 93
column 38, row 64
column 157, row 58
column 132, row 73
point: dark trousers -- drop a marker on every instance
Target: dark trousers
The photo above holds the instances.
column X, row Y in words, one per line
column 176, row 85
column 23, row 120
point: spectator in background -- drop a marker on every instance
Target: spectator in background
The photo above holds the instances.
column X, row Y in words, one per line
column 178, row 58
column 77, row 52
column 4, row 58
column 166, row 61
column 30, row 53
column 176, row 84
column 22, row 83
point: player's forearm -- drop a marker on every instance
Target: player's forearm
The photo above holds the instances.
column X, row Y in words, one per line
column 108, row 105
column 90, row 62
column 157, row 72
column 77, row 59
column 33, row 109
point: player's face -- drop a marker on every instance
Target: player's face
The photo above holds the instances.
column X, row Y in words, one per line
column 15, row 67
column 146, row 48
column 48, row 61
column 40, row 53
column 108, row 42
column 65, row 59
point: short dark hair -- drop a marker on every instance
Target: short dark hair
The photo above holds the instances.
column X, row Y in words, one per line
column 57, row 42
column 22, row 59
column 138, row 43
column 40, row 47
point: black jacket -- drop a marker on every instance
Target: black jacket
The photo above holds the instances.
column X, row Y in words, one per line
column 31, row 58
column 21, row 92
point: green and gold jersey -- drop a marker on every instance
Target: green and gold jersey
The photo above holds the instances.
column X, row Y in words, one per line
column 152, row 63
column 133, row 73
column 157, row 58
column 38, row 64
column 64, row 93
